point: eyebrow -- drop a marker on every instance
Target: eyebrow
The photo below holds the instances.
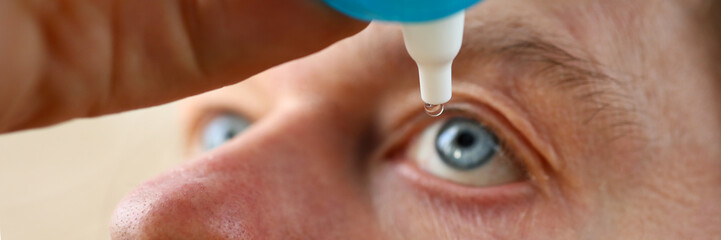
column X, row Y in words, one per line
column 564, row 65
column 521, row 44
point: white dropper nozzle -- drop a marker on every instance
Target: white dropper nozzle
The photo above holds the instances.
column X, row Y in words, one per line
column 433, row 45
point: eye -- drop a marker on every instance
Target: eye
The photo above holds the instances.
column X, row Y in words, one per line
column 466, row 152
column 221, row 129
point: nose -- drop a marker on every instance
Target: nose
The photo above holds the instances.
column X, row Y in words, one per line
column 275, row 181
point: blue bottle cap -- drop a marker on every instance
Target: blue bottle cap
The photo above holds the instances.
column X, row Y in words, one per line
column 399, row 10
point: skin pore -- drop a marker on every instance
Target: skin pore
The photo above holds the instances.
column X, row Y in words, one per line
column 610, row 108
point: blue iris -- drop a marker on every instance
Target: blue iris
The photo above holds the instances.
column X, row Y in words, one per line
column 465, row 144
column 221, row 129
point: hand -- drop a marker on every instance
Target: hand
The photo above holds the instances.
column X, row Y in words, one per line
column 63, row 59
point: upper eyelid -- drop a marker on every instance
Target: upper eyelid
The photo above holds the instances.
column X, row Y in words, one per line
column 515, row 114
column 562, row 63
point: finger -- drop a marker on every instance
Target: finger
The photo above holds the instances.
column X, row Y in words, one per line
column 99, row 57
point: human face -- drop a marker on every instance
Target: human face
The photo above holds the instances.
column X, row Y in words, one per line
column 606, row 116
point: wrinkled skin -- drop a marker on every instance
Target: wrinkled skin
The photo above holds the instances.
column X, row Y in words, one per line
column 630, row 152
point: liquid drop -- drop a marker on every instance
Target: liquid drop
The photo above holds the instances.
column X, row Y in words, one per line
column 434, row 110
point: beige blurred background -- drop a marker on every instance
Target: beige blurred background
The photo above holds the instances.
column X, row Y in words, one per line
column 63, row 182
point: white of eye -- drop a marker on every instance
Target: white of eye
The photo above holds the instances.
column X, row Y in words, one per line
column 498, row 169
column 221, row 129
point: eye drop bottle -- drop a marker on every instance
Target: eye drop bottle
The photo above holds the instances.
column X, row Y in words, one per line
column 432, row 32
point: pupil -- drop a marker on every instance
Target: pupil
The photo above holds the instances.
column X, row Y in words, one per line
column 230, row 134
column 465, row 139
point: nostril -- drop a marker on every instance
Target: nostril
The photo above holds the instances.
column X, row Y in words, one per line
column 176, row 210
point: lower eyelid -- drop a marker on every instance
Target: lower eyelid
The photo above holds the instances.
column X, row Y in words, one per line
column 460, row 194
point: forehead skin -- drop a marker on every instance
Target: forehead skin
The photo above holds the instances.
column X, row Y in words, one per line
column 618, row 98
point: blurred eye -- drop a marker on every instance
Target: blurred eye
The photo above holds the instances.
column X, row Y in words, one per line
column 464, row 151
column 221, row 129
